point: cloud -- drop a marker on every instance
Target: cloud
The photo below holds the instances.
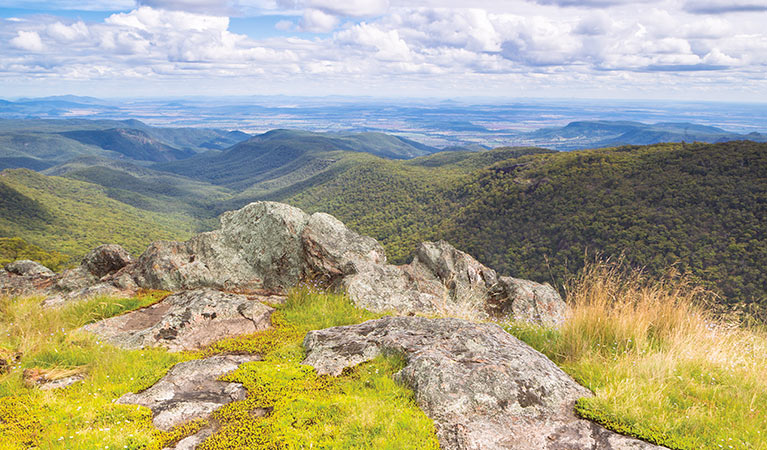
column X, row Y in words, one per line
column 347, row 8
column 724, row 6
column 28, row 40
column 429, row 46
column 591, row 3
column 316, row 21
column 213, row 7
column 67, row 33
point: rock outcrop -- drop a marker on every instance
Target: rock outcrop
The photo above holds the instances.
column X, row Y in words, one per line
column 191, row 390
column 268, row 247
column 25, row 267
column 483, row 388
column 185, row 321
column 258, row 247
column 271, row 246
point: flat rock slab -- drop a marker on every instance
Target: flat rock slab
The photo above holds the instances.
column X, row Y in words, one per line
column 484, row 388
column 191, row 390
column 185, row 321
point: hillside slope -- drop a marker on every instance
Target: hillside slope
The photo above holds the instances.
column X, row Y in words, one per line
column 288, row 152
column 698, row 206
column 72, row 217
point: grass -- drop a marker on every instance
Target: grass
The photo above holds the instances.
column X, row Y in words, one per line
column 363, row 408
column 660, row 366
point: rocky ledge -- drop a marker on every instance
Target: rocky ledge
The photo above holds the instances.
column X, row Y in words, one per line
column 185, row 321
column 270, row 247
column 483, row 388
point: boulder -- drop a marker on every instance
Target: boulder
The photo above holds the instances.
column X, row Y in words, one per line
column 191, row 390
column 446, row 281
column 257, row 247
column 527, row 301
column 483, row 388
column 331, row 250
column 105, row 260
column 185, row 321
column 387, row 288
column 27, row 268
column 76, row 279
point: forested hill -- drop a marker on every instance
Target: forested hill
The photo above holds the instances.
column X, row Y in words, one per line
column 699, row 207
column 528, row 212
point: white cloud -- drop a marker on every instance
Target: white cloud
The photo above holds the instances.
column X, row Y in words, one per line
column 67, row 33
column 28, row 40
column 520, row 40
column 316, row 21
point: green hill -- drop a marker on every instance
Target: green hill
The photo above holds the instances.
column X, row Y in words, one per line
column 529, row 212
column 699, row 207
column 72, row 217
column 298, row 154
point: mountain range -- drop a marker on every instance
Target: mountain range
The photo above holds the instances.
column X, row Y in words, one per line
column 529, row 211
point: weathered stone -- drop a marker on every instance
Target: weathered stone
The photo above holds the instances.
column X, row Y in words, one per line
column 483, row 388
column 527, row 301
column 13, row 284
column 390, row 288
column 257, row 247
column 27, row 268
column 97, row 290
column 62, row 383
column 191, row 390
column 191, row 442
column 185, row 321
column 105, row 260
column 47, row 380
column 75, row 279
column 331, row 250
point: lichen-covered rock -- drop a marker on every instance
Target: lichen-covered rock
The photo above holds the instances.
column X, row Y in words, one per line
column 106, row 259
column 527, row 301
column 390, row 288
column 27, row 268
column 190, row 390
column 75, row 279
column 185, row 321
column 257, row 247
column 446, row 281
column 483, row 388
column 331, row 250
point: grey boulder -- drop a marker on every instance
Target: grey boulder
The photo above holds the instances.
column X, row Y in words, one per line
column 445, row 281
column 105, row 260
column 332, row 251
column 185, row 321
column 483, row 388
column 27, row 268
column 190, row 390
column 257, row 247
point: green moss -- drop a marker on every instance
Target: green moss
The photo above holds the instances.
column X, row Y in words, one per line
column 363, row 408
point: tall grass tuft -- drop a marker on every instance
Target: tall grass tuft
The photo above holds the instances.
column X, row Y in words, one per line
column 662, row 367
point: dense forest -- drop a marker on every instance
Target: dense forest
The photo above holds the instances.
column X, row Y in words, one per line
column 697, row 207
column 527, row 212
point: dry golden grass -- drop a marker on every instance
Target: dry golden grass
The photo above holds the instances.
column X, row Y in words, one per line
column 661, row 365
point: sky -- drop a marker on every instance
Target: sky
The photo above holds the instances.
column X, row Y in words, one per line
column 623, row 49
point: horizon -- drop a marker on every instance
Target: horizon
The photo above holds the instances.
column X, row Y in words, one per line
column 669, row 50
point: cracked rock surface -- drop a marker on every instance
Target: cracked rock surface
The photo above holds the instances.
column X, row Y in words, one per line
column 190, row 391
column 185, row 321
column 484, row 388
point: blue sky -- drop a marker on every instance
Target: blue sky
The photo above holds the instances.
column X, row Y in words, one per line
column 674, row 49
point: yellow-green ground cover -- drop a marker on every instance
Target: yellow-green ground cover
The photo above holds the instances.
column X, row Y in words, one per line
column 363, row 408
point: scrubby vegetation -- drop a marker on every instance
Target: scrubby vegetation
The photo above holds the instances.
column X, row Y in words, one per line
column 12, row 249
column 697, row 206
column 72, row 217
column 363, row 408
column 661, row 366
